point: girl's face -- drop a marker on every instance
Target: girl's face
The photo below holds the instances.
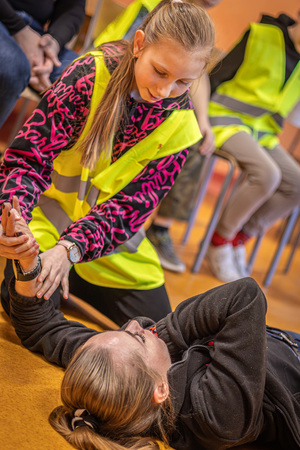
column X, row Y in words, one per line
column 165, row 69
column 134, row 339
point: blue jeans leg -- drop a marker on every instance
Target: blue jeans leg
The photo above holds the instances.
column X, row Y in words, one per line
column 65, row 56
column 14, row 73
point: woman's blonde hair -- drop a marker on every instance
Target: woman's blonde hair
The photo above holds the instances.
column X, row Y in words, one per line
column 183, row 23
column 120, row 400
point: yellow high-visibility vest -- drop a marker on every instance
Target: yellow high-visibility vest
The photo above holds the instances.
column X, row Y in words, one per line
column 256, row 100
column 75, row 190
column 118, row 28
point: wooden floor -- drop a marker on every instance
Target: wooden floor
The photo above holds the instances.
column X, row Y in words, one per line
column 283, row 295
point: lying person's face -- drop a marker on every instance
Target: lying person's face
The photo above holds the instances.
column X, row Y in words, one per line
column 165, row 69
column 134, row 339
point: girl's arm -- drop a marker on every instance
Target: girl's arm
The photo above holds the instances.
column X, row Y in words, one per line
column 40, row 327
column 54, row 124
column 200, row 94
column 227, row 393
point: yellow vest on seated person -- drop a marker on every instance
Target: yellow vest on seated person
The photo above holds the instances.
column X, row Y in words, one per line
column 254, row 100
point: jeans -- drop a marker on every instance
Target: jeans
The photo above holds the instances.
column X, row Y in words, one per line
column 15, row 68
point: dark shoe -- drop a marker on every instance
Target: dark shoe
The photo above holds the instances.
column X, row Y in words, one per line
column 164, row 246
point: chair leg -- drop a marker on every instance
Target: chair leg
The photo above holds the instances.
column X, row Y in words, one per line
column 254, row 252
column 213, row 221
column 289, row 261
column 283, row 241
column 207, row 167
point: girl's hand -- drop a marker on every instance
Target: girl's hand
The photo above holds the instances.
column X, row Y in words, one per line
column 208, row 144
column 16, row 239
column 55, row 270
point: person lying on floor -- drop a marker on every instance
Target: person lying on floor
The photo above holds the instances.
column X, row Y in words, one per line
column 210, row 375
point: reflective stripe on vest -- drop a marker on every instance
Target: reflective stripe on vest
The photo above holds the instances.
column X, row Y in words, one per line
column 57, row 216
column 244, row 108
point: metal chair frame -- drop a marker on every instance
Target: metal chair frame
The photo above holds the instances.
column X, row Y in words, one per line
column 207, row 169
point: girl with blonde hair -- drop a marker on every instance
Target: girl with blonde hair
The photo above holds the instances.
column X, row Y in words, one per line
column 100, row 152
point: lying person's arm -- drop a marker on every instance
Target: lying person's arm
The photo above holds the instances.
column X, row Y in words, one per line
column 227, row 394
column 40, row 327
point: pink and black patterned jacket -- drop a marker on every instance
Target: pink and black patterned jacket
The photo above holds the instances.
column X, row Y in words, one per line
column 55, row 125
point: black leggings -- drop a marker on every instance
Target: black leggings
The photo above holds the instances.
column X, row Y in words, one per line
column 119, row 305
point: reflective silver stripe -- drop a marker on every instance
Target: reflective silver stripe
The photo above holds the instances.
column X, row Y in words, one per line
column 278, row 119
column 92, row 196
column 224, row 120
column 83, row 187
column 54, row 213
column 58, row 217
column 132, row 244
column 69, row 185
column 241, row 107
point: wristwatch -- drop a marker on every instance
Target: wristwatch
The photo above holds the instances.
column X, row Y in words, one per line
column 20, row 275
column 73, row 251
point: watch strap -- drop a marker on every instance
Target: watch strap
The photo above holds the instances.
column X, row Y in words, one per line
column 20, row 275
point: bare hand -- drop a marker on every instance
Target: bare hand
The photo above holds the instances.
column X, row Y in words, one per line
column 40, row 77
column 208, row 145
column 50, row 48
column 29, row 41
column 16, row 239
column 55, row 270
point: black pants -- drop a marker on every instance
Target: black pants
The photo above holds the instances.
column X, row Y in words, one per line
column 119, row 305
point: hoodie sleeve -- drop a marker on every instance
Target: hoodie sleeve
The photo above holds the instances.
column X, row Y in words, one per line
column 44, row 329
column 226, row 395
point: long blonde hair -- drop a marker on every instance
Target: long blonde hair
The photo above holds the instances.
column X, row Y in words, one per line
column 119, row 399
column 185, row 23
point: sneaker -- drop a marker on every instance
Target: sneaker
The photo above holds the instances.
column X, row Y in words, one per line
column 163, row 244
column 240, row 260
column 222, row 262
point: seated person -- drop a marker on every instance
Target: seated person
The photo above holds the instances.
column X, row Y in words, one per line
column 253, row 92
column 33, row 36
column 209, row 375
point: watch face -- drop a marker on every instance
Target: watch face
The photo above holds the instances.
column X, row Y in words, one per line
column 74, row 254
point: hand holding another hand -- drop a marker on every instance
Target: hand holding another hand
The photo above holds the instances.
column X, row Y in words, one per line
column 40, row 74
column 16, row 239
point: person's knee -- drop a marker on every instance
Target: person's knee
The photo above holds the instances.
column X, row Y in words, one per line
column 269, row 179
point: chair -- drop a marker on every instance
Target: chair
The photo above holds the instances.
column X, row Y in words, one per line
column 207, row 170
column 285, row 236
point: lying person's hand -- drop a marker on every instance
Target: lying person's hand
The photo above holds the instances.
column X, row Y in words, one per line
column 16, row 239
